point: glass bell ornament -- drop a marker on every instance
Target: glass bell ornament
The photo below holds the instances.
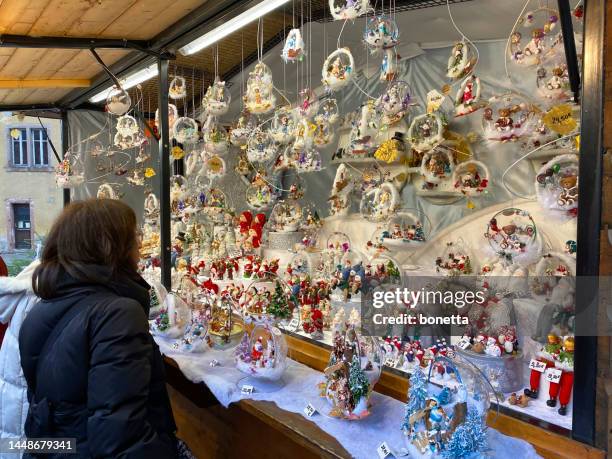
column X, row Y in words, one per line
column 508, row 118
column 309, row 103
column 259, row 98
column 242, row 129
column 381, row 33
column 380, row 203
column 348, row 9
column 282, row 129
column 338, row 69
column 426, row 132
column 294, row 49
column 262, row 354
column 556, row 183
column 177, row 88
column 185, row 130
column 217, row 99
column 328, row 111
column 260, row 147
column 395, row 102
column 471, row 177
column 118, row 102
column 216, row 138
column 512, row 234
column 286, row 217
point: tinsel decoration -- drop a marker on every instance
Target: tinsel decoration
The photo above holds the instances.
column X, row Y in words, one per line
column 470, row 437
column 417, row 394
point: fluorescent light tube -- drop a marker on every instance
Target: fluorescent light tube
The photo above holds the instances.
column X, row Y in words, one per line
column 128, row 82
column 261, row 9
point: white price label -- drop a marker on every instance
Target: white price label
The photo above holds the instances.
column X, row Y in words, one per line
column 309, row 410
column 247, row 390
column 294, row 324
column 214, row 363
column 390, row 362
column 537, row 365
column 463, row 343
column 553, row 375
column 384, row 450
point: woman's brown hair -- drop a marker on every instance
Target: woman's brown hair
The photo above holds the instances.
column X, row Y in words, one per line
column 87, row 234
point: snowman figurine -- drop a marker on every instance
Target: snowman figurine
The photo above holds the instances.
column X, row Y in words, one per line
column 492, row 348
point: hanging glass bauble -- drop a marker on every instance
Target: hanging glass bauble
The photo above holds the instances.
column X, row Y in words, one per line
column 536, row 38
column 381, row 33
column 185, row 130
column 260, row 147
column 259, row 97
column 309, row 103
column 460, row 62
column 395, row 102
column 471, row 177
column 178, row 88
column 304, row 135
column 106, row 191
column 259, row 194
column 214, row 166
column 307, row 160
column 437, row 166
column 217, row 99
column 328, row 111
column 557, row 183
column 553, row 81
column 66, row 175
column 380, row 203
column 508, row 117
column 294, row 49
column 364, row 131
column 244, row 126
column 127, row 141
column 426, row 131
column 118, row 102
column 407, row 228
column 172, row 115
column 151, row 209
column 456, row 259
column 323, row 134
column 286, row 217
column 338, row 69
column 282, row 129
column 512, row 234
column 127, row 125
column 348, row 9
column 388, row 66
column 467, row 99
column 216, row 138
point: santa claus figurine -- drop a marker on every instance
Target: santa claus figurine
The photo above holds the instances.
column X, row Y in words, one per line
column 548, row 354
column 563, row 388
column 257, row 350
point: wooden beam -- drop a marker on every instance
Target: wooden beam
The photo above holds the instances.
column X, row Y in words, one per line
column 38, row 83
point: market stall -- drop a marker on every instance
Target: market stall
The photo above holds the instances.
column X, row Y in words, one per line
column 288, row 169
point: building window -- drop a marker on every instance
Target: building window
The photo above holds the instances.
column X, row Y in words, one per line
column 29, row 147
column 19, row 143
column 40, row 147
column 22, row 226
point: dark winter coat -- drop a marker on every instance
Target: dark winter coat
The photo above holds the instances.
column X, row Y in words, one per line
column 102, row 379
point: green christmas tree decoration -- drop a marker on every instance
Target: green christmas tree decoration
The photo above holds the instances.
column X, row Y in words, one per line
column 417, row 395
column 279, row 305
column 153, row 298
column 359, row 384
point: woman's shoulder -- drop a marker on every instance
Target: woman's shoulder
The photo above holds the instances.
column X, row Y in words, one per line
column 124, row 312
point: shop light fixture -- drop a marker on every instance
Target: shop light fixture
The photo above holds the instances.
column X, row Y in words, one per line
column 250, row 15
column 128, row 82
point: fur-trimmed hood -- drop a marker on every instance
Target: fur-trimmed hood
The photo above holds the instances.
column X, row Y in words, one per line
column 22, row 283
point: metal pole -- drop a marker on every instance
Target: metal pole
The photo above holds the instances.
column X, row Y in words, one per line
column 164, row 176
column 565, row 16
column 65, row 146
column 589, row 224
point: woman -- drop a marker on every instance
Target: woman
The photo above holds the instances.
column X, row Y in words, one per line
column 16, row 300
column 94, row 372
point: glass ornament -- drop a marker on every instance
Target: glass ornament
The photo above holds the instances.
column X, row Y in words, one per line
column 338, row 69
column 106, row 191
column 508, row 118
column 151, row 209
column 304, row 135
column 173, row 319
column 535, row 38
column 286, row 217
column 348, row 276
column 555, row 264
column 426, row 132
column 259, row 194
column 348, row 9
column 461, row 61
column 118, row 102
column 260, row 147
column 172, row 115
column 177, row 88
column 336, row 246
column 195, row 338
column 556, row 183
column 471, row 177
column 309, row 103
column 328, row 111
column 408, row 228
column 382, row 270
column 456, row 259
column 185, row 130
column 545, row 139
column 323, row 134
column 301, row 263
column 308, row 160
column 553, row 82
column 380, row 203
column 512, row 234
column 388, row 66
column 127, row 125
column 467, row 99
column 294, row 49
column 259, row 98
column 262, row 353
column 214, row 166
column 437, row 166
column 364, row 131
column 225, row 326
column 127, row 141
column 216, row 138
column 282, row 129
column 217, row 99
column 354, row 368
column 267, row 298
column 394, row 103
column 239, row 134
column 381, row 33
column 339, row 200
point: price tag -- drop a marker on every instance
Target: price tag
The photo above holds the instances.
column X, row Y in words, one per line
column 294, row 324
column 247, row 390
column 537, row 365
column 214, row 363
column 463, row 343
column 553, row 375
column 309, row 410
column 384, row 450
column 390, row 362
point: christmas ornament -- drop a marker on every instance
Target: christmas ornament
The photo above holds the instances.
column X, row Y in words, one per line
column 338, row 69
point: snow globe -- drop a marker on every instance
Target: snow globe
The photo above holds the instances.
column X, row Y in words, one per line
column 471, row 177
column 262, row 356
column 456, row 259
column 173, row 318
column 259, row 193
column 286, row 217
column 328, row 111
column 118, row 102
column 381, row 33
column 467, row 99
column 556, row 183
column 512, row 234
column 282, row 129
column 508, row 117
column 338, row 69
column 196, row 333
column 239, row 134
column 394, row 103
column 259, row 98
column 426, row 131
column 535, row 38
column 437, row 166
column 348, row 9
column 353, row 370
column 225, row 327
column 177, row 88
column 216, row 100
column 294, row 49
column 461, row 61
column 260, row 147
column 380, row 203
column 216, row 138
column 185, row 130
